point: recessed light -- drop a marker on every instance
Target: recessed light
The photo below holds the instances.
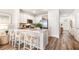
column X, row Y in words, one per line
column 34, row 11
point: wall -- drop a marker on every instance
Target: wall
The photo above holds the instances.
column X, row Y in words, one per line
column 65, row 21
column 15, row 19
column 53, row 22
column 75, row 24
column 72, row 30
column 76, row 13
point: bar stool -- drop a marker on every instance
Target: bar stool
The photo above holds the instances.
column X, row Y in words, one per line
column 27, row 40
column 18, row 38
column 11, row 37
column 35, row 39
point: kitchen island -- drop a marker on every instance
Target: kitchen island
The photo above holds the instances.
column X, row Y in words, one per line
column 42, row 40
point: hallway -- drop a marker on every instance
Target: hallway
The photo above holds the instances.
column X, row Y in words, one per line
column 66, row 42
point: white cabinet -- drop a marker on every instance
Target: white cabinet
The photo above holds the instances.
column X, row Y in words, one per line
column 39, row 36
column 25, row 16
column 43, row 39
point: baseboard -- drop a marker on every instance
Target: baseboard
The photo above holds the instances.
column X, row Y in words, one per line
column 53, row 37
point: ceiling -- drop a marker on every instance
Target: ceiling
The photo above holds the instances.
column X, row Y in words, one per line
column 66, row 12
column 63, row 12
column 6, row 11
column 35, row 11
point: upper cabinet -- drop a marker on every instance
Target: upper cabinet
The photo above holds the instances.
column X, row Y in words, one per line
column 25, row 16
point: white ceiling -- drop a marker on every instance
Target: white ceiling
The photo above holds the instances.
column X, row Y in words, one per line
column 66, row 12
column 35, row 11
column 63, row 12
column 6, row 11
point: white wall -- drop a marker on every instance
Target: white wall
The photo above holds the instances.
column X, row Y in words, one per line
column 65, row 21
column 72, row 18
column 53, row 22
column 76, row 25
column 15, row 19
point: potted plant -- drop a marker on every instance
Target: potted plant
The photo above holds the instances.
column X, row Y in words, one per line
column 38, row 25
column 6, row 31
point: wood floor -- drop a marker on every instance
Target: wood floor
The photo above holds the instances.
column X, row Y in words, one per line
column 7, row 47
column 65, row 42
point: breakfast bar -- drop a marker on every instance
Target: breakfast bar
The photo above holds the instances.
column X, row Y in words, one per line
column 38, row 38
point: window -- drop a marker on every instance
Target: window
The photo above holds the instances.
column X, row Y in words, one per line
column 4, row 22
column 45, row 21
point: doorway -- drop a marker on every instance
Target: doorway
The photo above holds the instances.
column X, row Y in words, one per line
column 66, row 25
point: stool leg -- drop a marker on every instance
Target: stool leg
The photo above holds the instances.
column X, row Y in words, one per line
column 30, row 43
column 9, row 41
column 37, row 43
column 24, row 45
column 19, row 45
column 14, row 43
